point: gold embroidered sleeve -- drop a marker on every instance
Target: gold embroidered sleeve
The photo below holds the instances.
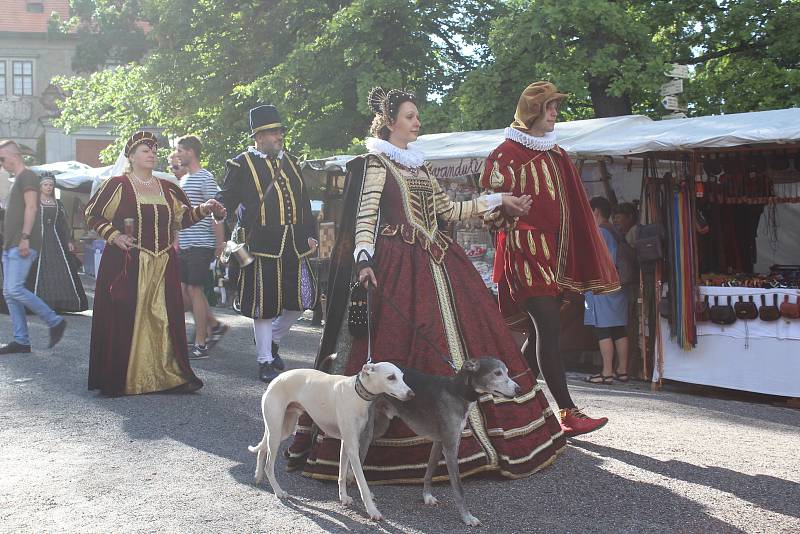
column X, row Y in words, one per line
column 102, row 208
column 458, row 211
column 368, row 208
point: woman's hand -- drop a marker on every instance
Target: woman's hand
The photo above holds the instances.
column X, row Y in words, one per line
column 516, row 206
column 312, row 245
column 125, row 242
column 366, row 276
column 214, row 207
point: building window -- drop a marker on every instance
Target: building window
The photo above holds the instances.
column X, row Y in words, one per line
column 35, row 7
column 23, row 78
column 2, row 78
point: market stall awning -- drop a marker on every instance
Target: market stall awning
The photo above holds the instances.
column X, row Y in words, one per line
column 460, row 153
column 778, row 126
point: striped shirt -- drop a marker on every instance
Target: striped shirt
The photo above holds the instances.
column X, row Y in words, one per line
column 199, row 187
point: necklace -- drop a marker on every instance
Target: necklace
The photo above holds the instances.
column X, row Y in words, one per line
column 47, row 201
column 143, row 182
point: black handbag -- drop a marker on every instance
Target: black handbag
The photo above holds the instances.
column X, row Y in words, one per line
column 722, row 314
column 746, row 310
column 357, row 311
column 648, row 243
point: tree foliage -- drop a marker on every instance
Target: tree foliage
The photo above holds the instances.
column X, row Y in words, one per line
column 209, row 61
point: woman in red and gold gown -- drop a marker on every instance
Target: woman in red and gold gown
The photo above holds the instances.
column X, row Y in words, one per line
column 429, row 305
column 138, row 342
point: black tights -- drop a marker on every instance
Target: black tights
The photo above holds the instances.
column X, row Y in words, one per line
column 544, row 355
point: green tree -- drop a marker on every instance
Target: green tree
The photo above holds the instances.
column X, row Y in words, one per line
column 746, row 55
column 109, row 32
column 316, row 60
column 210, row 61
column 611, row 56
column 605, row 54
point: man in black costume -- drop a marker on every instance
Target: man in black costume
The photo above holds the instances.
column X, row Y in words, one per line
column 280, row 231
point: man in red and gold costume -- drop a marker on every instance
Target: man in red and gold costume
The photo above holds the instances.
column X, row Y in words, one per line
column 555, row 247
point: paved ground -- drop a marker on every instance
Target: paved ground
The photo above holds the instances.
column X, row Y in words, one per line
column 71, row 461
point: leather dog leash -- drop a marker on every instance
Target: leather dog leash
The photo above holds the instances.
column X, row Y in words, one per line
column 415, row 328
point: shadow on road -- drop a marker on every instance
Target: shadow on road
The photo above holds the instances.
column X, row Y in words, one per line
column 578, row 493
column 759, row 490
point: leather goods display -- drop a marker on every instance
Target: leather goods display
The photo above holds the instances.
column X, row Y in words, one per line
column 769, row 312
column 790, row 310
column 746, row 309
column 357, row 311
column 701, row 311
column 722, row 314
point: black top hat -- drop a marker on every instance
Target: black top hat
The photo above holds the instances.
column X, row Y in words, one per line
column 265, row 118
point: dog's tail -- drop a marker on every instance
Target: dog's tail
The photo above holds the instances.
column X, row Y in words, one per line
column 258, row 447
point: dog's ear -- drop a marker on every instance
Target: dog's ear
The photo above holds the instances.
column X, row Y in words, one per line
column 368, row 368
column 471, row 366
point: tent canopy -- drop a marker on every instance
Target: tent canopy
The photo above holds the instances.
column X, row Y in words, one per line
column 76, row 176
column 460, row 153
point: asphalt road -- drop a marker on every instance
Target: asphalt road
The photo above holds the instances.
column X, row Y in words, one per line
column 71, row 461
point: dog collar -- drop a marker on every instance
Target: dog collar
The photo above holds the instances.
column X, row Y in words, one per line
column 362, row 392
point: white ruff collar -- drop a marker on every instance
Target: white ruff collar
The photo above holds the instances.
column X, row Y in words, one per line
column 408, row 157
column 256, row 152
column 546, row 142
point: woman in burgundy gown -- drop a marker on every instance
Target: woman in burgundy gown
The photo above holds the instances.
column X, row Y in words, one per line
column 429, row 306
column 138, row 342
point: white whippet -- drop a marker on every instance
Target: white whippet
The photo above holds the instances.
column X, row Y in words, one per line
column 339, row 405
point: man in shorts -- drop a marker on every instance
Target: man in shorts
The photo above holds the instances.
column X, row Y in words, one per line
column 199, row 245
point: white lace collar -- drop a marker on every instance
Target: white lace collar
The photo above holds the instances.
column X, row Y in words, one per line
column 408, row 157
column 256, row 152
column 546, row 142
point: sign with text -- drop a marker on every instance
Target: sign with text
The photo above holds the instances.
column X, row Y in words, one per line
column 672, row 87
column 678, row 71
column 670, row 103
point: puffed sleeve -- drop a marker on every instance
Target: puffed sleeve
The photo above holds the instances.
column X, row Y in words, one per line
column 101, row 210
column 230, row 195
column 499, row 179
column 448, row 210
column 368, row 209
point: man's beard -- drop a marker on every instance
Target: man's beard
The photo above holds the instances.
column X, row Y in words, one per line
column 271, row 151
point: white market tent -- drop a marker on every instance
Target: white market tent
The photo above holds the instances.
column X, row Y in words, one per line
column 719, row 360
column 458, row 153
column 76, row 176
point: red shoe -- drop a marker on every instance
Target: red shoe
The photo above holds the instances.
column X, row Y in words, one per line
column 574, row 422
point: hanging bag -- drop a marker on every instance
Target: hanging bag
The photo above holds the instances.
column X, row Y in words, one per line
column 789, row 310
column 769, row 313
column 648, row 243
column 722, row 314
column 308, row 287
column 746, row 310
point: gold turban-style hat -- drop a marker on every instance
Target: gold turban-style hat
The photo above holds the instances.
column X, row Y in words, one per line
column 532, row 102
